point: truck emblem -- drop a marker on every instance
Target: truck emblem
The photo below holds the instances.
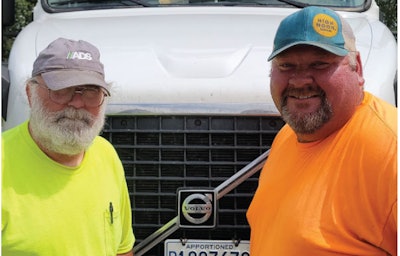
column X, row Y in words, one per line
column 197, row 208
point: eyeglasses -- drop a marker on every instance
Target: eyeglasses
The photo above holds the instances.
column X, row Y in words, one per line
column 92, row 96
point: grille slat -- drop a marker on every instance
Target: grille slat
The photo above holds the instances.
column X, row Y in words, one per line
column 163, row 153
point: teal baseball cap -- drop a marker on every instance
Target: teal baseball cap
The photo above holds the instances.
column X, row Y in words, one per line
column 317, row 26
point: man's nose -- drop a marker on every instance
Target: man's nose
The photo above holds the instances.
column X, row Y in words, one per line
column 77, row 100
column 301, row 77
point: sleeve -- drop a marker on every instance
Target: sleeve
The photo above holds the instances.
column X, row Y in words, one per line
column 389, row 232
column 389, row 242
column 127, row 238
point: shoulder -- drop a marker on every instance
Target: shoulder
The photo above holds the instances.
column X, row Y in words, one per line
column 103, row 155
column 374, row 124
column 102, row 147
column 379, row 114
column 12, row 133
column 15, row 137
column 284, row 136
column 101, row 141
column 372, row 132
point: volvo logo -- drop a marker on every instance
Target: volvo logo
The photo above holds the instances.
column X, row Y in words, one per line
column 196, row 208
column 203, row 209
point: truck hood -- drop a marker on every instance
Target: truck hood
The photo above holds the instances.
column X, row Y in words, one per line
column 180, row 59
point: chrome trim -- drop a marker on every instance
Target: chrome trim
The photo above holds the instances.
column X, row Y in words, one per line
column 224, row 188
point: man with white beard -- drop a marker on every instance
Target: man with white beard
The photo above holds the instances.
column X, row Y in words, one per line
column 63, row 186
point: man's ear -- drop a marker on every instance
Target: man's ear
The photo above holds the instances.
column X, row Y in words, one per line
column 359, row 70
column 28, row 92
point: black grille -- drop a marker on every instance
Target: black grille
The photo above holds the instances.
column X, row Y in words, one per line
column 163, row 153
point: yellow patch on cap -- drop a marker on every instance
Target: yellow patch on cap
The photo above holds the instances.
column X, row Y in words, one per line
column 325, row 25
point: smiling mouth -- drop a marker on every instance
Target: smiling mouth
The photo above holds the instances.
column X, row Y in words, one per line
column 304, row 97
column 303, row 94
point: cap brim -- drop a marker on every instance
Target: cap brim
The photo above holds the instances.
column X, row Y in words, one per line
column 57, row 80
column 332, row 49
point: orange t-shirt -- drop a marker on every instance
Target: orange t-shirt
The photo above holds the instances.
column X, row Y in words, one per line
column 337, row 196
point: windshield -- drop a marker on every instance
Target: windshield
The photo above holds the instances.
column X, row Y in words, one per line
column 73, row 5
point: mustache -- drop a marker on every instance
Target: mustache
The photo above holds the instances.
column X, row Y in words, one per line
column 310, row 91
column 75, row 115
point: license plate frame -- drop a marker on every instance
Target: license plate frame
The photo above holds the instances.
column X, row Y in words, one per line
column 198, row 247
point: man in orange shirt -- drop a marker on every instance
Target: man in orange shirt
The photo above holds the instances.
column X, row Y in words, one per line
column 329, row 186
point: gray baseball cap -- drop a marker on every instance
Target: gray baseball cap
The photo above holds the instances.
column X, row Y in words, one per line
column 66, row 63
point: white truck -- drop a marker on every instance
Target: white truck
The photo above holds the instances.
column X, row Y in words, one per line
column 190, row 107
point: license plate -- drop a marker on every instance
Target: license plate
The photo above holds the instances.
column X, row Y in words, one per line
column 175, row 247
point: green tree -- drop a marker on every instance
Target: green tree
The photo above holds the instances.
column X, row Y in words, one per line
column 23, row 16
column 388, row 9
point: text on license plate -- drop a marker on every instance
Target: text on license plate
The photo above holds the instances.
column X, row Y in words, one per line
column 175, row 247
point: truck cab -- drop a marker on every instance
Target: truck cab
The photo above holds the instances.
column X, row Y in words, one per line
column 190, row 112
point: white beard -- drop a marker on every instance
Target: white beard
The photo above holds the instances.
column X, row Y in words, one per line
column 69, row 131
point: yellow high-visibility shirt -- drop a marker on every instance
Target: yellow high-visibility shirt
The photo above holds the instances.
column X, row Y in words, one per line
column 51, row 209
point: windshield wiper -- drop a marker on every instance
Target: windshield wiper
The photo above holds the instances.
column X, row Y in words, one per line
column 138, row 2
column 230, row 2
column 295, row 3
column 95, row 2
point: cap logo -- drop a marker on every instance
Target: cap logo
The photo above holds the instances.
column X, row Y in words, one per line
column 79, row 55
column 325, row 25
